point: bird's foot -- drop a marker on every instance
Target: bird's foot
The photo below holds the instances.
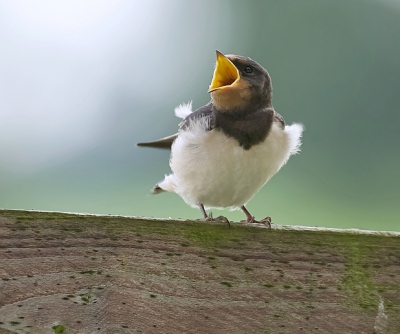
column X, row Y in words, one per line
column 266, row 221
column 219, row 218
column 250, row 218
column 224, row 219
column 209, row 218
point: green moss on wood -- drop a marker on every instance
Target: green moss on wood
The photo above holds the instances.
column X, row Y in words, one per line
column 59, row 329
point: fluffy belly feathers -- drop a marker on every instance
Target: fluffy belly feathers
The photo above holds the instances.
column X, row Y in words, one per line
column 210, row 168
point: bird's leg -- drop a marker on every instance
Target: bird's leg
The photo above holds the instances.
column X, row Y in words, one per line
column 203, row 211
column 210, row 217
column 250, row 218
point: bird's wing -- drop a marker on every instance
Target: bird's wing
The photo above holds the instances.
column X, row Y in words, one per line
column 278, row 118
column 204, row 112
column 166, row 142
column 163, row 143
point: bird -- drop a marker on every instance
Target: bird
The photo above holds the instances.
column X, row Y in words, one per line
column 227, row 150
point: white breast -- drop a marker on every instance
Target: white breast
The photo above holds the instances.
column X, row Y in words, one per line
column 212, row 169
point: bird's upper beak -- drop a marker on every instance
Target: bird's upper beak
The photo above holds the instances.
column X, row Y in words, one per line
column 225, row 73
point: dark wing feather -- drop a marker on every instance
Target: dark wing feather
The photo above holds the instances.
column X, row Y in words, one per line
column 163, row 143
column 278, row 118
column 205, row 111
column 166, row 142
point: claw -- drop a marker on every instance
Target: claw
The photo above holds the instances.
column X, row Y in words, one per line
column 224, row 219
column 267, row 221
column 219, row 218
column 209, row 217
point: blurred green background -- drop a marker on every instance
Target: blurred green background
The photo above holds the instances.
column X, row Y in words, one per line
column 82, row 82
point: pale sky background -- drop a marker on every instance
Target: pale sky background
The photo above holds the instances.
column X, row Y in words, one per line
column 82, row 82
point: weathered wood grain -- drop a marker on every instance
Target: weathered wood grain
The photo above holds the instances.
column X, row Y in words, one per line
column 65, row 273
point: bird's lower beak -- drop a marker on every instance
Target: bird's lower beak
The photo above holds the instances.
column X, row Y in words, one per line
column 225, row 73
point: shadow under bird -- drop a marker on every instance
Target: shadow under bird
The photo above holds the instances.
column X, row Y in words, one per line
column 227, row 150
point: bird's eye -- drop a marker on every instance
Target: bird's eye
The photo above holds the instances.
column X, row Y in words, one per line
column 248, row 69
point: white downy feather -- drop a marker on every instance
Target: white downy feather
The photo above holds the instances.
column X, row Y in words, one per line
column 183, row 110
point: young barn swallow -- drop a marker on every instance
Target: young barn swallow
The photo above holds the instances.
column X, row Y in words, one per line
column 227, row 150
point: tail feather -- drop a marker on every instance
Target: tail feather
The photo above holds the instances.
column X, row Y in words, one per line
column 164, row 143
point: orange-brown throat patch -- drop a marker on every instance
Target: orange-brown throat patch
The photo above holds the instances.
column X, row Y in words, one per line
column 233, row 96
column 225, row 73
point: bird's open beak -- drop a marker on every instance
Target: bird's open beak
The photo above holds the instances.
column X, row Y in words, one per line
column 225, row 73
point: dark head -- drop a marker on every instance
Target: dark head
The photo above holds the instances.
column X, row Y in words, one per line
column 240, row 82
